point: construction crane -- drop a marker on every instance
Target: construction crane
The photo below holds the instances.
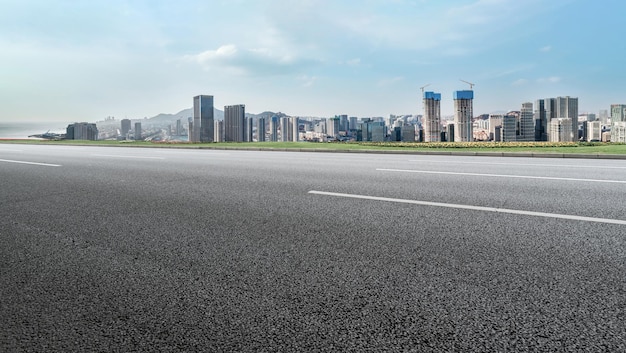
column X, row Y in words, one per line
column 422, row 88
column 469, row 83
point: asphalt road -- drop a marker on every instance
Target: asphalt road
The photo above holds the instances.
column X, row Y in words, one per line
column 132, row 249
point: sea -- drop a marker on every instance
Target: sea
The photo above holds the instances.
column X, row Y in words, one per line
column 25, row 129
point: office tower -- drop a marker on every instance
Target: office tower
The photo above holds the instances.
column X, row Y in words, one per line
column 567, row 108
column 432, row 117
column 352, row 123
column 333, row 125
column 407, row 133
column 509, row 129
column 495, row 127
column 179, row 128
column 618, row 112
column 274, row 129
column 618, row 131
column 540, row 120
column 249, row 129
column 546, row 110
column 190, row 129
column 343, row 122
column 320, row 126
column 125, row 128
column 203, row 118
column 295, row 129
column 594, row 131
column 235, row 123
column 286, row 129
column 550, row 107
column 603, row 116
column 260, row 130
column 561, row 130
column 218, row 131
column 138, row 131
column 526, row 123
column 81, row 131
column 618, row 122
column 463, row 114
column 376, row 131
column 362, row 130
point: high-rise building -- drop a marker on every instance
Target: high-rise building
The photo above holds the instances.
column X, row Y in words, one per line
column 594, row 130
column 549, row 109
column 463, row 114
column 352, row 122
column 235, row 123
column 509, row 129
column 274, row 122
column 603, row 116
column 333, row 125
column 526, row 123
column 432, row 117
column 343, row 122
column 618, row 122
column 203, row 118
column 249, row 129
column 539, row 116
column 561, row 130
column 550, row 106
column 618, row 112
column 495, row 127
column 179, row 127
column 295, row 129
column 567, row 108
column 81, row 131
column 125, row 128
column 218, row 131
column 376, row 131
column 286, row 129
column 618, row 131
column 260, row 130
column 138, row 131
column 407, row 133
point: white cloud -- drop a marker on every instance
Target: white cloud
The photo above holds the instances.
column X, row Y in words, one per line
column 390, row 81
column 545, row 49
column 551, row 79
column 307, row 81
column 254, row 62
column 519, row 82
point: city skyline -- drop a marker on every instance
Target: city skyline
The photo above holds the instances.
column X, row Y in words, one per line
column 76, row 62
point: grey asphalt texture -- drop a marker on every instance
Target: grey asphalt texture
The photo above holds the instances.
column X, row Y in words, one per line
column 133, row 249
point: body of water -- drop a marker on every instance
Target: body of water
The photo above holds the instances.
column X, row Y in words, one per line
column 23, row 130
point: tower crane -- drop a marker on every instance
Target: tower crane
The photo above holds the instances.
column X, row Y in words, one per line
column 422, row 88
column 469, row 83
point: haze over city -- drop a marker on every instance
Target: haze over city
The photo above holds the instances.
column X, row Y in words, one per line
column 83, row 61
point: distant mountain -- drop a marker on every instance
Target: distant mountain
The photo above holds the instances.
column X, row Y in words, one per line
column 217, row 115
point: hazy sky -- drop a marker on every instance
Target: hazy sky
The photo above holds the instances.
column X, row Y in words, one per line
column 86, row 60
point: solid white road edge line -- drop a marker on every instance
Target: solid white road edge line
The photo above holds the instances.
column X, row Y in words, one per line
column 501, row 175
column 521, row 164
column 31, row 163
column 119, row 156
column 474, row 208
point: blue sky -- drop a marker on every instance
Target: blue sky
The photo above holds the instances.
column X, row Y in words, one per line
column 86, row 60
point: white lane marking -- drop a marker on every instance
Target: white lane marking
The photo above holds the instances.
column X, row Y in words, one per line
column 521, row 164
column 120, row 156
column 474, row 208
column 31, row 163
column 502, row 175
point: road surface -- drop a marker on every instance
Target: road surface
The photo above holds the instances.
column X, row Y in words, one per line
column 139, row 249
